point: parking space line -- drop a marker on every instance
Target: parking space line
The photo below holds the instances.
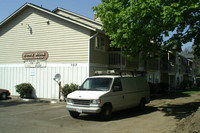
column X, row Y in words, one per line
column 59, row 117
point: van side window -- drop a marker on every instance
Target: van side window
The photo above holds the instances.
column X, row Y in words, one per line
column 117, row 86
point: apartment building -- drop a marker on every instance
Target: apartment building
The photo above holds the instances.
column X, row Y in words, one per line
column 36, row 44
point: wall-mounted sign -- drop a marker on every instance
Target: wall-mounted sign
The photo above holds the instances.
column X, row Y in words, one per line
column 38, row 55
column 35, row 63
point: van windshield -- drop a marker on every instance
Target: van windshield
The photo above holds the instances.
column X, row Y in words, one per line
column 96, row 84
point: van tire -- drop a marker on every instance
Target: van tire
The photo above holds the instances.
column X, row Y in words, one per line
column 106, row 112
column 74, row 114
column 142, row 104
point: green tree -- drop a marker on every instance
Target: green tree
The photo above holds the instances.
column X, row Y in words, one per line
column 145, row 26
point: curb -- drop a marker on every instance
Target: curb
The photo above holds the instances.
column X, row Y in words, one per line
column 43, row 100
column 52, row 101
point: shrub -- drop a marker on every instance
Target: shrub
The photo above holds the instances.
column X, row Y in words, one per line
column 157, row 88
column 163, row 87
column 198, row 82
column 25, row 90
column 73, row 86
column 186, row 83
column 152, row 88
column 66, row 89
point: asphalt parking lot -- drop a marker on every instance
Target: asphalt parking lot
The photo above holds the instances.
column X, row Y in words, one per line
column 160, row 116
column 17, row 116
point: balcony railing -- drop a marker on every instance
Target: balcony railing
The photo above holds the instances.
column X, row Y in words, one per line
column 168, row 67
column 116, row 60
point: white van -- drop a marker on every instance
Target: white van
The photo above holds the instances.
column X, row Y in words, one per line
column 107, row 94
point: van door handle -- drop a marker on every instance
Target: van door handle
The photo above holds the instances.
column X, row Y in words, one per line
column 122, row 97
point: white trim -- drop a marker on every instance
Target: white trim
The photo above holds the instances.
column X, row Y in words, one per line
column 50, row 65
column 68, row 65
column 11, row 65
column 89, row 51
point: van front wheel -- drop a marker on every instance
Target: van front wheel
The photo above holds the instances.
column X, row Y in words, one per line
column 74, row 114
column 106, row 113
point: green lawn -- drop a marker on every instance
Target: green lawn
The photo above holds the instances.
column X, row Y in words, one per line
column 183, row 93
column 188, row 91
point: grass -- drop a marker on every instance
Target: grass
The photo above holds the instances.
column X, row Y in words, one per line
column 186, row 92
column 191, row 91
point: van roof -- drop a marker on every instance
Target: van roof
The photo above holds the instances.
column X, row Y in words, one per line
column 120, row 73
column 106, row 76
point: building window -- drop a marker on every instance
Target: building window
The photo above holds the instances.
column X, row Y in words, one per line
column 100, row 43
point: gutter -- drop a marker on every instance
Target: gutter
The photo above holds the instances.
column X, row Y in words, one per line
column 89, row 40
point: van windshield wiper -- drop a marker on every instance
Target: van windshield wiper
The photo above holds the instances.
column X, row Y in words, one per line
column 93, row 89
column 87, row 89
column 83, row 89
column 96, row 89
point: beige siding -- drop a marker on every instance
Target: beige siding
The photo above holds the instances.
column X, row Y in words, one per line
column 78, row 19
column 65, row 42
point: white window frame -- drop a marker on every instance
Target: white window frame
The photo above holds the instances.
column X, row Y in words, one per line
column 100, row 43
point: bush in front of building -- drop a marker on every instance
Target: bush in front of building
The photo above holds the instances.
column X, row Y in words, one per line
column 66, row 89
column 198, row 82
column 158, row 88
column 163, row 87
column 25, row 90
column 152, row 88
column 186, row 84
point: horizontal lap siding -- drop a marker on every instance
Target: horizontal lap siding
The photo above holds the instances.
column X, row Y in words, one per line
column 65, row 42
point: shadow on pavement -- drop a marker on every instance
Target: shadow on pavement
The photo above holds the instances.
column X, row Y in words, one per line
column 18, row 101
column 133, row 113
column 120, row 115
column 181, row 110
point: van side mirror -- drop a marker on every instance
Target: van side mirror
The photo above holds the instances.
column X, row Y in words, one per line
column 116, row 88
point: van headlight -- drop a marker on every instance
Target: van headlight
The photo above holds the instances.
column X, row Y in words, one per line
column 98, row 101
column 69, row 100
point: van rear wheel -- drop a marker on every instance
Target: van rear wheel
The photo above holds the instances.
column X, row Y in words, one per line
column 142, row 104
column 74, row 114
column 106, row 113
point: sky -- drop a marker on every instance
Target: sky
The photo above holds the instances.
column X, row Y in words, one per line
column 82, row 7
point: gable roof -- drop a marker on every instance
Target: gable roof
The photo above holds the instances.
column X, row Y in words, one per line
column 53, row 13
column 77, row 15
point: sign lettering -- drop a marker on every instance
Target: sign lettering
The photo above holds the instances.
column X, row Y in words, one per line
column 39, row 55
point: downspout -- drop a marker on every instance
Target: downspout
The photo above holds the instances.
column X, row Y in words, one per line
column 89, row 40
